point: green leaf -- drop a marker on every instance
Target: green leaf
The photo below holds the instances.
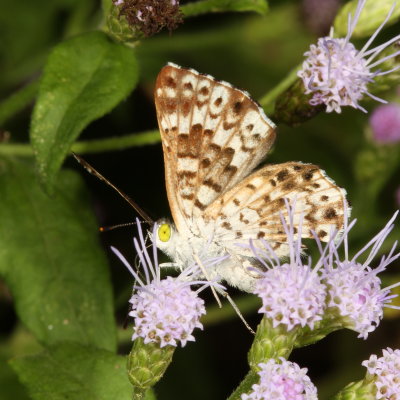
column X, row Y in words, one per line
column 206, row 6
column 51, row 259
column 74, row 372
column 20, row 342
column 84, row 78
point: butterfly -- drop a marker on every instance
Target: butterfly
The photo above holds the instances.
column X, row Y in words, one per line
column 213, row 137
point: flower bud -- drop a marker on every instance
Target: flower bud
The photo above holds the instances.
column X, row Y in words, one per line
column 293, row 106
column 147, row 363
column 385, row 124
column 360, row 390
column 270, row 342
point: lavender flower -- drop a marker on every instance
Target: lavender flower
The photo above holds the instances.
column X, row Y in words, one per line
column 354, row 289
column 282, row 381
column 398, row 197
column 165, row 311
column 386, row 373
column 292, row 293
column 385, row 123
column 337, row 74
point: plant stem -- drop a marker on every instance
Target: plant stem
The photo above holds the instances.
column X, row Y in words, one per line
column 17, row 101
column 250, row 379
column 268, row 100
column 90, row 146
column 117, row 142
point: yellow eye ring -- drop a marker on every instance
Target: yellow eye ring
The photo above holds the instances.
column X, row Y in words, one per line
column 164, row 232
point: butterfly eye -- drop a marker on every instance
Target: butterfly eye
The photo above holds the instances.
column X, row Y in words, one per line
column 164, row 232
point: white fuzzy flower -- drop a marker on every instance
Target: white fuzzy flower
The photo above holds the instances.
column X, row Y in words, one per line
column 282, row 380
column 386, row 371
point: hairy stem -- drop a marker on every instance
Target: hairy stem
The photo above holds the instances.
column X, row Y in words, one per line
column 90, row 146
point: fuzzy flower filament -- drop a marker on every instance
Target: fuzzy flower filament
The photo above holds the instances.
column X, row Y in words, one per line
column 337, row 74
column 283, row 380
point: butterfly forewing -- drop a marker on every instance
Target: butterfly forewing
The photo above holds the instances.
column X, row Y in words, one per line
column 213, row 136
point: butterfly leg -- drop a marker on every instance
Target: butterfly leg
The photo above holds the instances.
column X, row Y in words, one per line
column 169, row 265
column 236, row 308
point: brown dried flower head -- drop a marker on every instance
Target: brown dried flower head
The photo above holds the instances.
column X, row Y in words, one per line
column 150, row 16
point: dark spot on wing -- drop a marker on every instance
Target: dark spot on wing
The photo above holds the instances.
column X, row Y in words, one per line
column 330, row 213
column 237, row 107
column 200, row 205
column 282, row 175
column 227, row 225
column 215, row 186
column 205, row 162
column 170, row 82
column 204, row 91
column 218, row 101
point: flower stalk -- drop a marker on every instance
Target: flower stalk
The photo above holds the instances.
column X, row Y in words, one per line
column 147, row 364
column 270, row 342
column 360, row 390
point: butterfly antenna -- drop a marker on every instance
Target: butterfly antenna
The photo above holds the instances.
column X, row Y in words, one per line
column 97, row 174
column 110, row 228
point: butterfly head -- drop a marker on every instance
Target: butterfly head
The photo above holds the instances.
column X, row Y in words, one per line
column 165, row 236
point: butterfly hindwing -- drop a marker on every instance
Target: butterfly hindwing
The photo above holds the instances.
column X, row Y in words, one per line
column 253, row 208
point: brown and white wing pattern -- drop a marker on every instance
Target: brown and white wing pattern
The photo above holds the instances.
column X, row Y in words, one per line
column 253, row 208
column 213, row 136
